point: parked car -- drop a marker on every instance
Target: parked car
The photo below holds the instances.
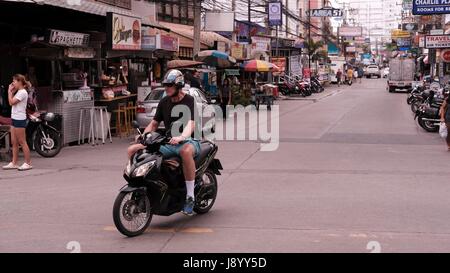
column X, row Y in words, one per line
column 146, row 110
column 372, row 70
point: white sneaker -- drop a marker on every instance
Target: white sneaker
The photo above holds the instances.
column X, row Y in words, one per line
column 25, row 167
column 10, row 166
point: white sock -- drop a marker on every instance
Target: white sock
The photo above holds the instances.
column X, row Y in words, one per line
column 190, row 188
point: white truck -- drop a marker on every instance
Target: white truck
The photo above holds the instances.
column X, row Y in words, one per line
column 401, row 74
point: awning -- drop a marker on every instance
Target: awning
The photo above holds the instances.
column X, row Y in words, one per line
column 92, row 8
column 207, row 38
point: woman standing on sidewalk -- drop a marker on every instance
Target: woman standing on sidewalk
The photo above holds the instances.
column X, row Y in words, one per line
column 18, row 98
column 445, row 117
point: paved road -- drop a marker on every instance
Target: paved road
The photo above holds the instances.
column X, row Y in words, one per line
column 351, row 168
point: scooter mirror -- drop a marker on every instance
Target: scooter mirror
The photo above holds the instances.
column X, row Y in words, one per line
column 135, row 124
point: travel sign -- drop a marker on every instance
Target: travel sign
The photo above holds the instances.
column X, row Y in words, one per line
column 429, row 7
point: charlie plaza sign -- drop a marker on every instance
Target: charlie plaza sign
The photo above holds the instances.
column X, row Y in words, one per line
column 428, row 7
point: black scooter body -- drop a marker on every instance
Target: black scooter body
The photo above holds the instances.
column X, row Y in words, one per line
column 165, row 184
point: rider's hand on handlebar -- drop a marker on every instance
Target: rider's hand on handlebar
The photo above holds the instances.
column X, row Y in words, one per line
column 176, row 140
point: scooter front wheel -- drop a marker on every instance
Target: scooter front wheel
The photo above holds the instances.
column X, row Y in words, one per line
column 132, row 213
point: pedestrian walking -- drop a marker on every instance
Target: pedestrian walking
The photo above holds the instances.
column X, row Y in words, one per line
column 339, row 77
column 225, row 97
column 18, row 99
column 360, row 74
column 445, row 117
column 355, row 75
column 350, row 75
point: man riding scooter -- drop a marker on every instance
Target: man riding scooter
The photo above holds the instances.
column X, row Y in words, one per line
column 183, row 145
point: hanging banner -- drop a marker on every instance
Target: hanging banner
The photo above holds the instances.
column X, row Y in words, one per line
column 124, row 32
column 260, row 44
column 295, row 66
column 281, row 63
column 275, row 14
column 350, row 31
column 430, row 7
column 238, row 51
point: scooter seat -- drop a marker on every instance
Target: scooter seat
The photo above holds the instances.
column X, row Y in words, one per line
column 205, row 149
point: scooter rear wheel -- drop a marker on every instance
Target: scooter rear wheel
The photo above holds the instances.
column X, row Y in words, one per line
column 206, row 197
column 132, row 213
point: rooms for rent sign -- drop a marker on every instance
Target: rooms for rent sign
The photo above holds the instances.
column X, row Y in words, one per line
column 428, row 7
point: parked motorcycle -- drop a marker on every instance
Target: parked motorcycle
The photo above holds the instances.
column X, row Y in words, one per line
column 41, row 136
column 304, row 88
column 316, row 85
column 156, row 186
column 286, row 88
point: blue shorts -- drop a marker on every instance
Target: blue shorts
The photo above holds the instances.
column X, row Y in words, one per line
column 170, row 151
column 19, row 123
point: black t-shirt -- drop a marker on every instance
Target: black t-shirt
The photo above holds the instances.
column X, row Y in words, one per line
column 165, row 107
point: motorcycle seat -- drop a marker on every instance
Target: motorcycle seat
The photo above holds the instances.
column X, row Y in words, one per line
column 205, row 149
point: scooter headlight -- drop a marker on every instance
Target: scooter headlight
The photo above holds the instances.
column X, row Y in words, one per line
column 144, row 169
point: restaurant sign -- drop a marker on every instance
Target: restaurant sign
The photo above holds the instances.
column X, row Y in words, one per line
column 437, row 41
column 67, row 38
column 124, row 32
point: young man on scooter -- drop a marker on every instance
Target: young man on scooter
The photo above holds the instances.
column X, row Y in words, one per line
column 183, row 146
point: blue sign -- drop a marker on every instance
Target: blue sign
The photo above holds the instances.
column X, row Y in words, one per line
column 275, row 14
column 367, row 56
column 429, row 7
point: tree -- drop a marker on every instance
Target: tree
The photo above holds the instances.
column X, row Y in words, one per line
column 314, row 50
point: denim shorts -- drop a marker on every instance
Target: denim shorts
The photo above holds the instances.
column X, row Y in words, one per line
column 19, row 123
column 170, row 151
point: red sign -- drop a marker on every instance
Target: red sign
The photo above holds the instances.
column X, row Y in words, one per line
column 281, row 63
column 168, row 43
column 445, row 55
column 306, row 73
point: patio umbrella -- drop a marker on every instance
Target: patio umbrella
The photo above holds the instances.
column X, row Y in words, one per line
column 259, row 66
column 215, row 58
column 182, row 64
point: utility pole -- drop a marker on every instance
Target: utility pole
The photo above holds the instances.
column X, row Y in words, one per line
column 233, row 8
column 197, row 25
column 309, row 34
column 249, row 20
